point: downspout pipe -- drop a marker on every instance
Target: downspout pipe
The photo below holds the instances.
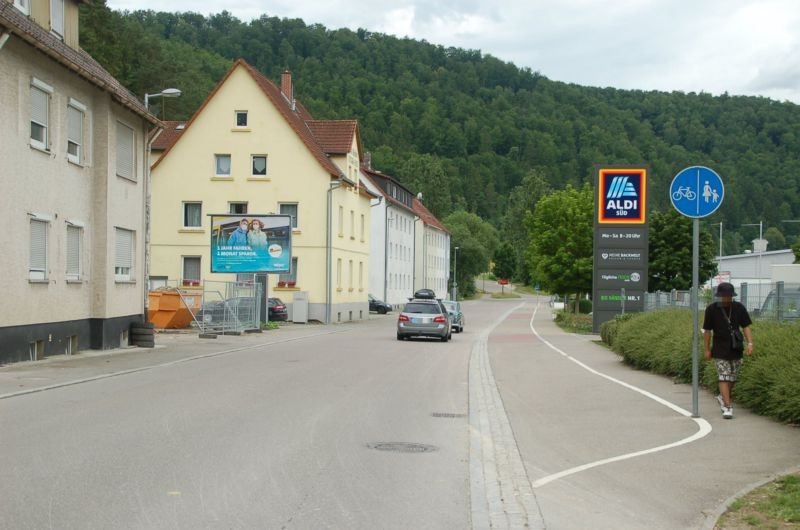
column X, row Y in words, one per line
column 329, row 251
column 3, row 38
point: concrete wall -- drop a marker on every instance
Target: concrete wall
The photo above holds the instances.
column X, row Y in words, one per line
column 89, row 194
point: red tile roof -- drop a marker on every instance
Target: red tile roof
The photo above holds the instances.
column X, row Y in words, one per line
column 427, row 217
column 294, row 117
column 172, row 130
column 78, row 60
column 334, row 136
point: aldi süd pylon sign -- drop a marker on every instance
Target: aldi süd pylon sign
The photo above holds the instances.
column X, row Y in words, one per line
column 619, row 279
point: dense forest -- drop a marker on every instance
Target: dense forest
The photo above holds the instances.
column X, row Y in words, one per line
column 470, row 131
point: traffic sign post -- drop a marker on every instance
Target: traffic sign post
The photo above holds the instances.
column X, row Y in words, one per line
column 696, row 192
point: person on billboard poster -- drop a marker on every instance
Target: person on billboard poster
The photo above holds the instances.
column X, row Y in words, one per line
column 239, row 236
column 256, row 238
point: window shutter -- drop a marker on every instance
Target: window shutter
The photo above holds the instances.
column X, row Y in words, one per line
column 73, row 251
column 39, row 100
column 74, row 125
column 191, row 268
column 124, row 150
column 38, row 245
column 124, row 249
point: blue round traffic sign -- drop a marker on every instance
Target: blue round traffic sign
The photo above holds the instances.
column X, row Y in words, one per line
column 697, row 191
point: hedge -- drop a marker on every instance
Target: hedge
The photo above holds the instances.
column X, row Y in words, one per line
column 661, row 342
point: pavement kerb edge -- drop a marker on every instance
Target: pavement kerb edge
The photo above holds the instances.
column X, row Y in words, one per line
column 710, row 519
column 160, row 365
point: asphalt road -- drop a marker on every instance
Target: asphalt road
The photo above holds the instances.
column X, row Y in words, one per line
column 512, row 424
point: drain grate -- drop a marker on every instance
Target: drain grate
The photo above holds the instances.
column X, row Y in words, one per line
column 448, row 415
column 403, row 447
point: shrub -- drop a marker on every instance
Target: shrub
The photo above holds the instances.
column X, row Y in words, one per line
column 574, row 323
column 661, row 342
column 584, row 306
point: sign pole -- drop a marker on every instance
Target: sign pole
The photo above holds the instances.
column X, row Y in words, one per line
column 695, row 317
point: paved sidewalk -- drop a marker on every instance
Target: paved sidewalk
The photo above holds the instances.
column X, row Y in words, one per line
column 171, row 347
column 565, row 416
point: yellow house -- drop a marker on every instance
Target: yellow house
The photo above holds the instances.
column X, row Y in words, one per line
column 251, row 148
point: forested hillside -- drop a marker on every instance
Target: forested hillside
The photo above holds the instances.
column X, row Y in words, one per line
column 466, row 128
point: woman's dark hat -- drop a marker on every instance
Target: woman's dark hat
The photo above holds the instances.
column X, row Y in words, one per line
column 725, row 289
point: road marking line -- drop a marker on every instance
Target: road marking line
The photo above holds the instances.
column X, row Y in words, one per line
column 160, row 365
column 704, row 428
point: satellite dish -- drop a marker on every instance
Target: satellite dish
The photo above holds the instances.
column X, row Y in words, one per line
column 419, row 196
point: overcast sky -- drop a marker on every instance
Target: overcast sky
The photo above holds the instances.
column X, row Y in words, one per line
column 747, row 47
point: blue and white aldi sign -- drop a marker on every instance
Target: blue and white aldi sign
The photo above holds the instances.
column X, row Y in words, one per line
column 622, row 196
column 251, row 243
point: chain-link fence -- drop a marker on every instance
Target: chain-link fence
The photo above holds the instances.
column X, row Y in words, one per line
column 229, row 307
column 765, row 301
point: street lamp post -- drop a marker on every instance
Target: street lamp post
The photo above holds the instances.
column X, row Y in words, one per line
column 760, row 226
column 455, row 278
column 166, row 93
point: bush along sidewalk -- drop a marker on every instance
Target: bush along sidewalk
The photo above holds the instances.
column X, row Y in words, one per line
column 661, row 342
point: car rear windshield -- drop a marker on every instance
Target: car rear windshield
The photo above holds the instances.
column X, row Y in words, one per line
column 450, row 305
column 415, row 307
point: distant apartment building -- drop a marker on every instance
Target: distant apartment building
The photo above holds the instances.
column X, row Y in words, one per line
column 72, row 167
column 252, row 148
column 393, row 234
column 432, row 252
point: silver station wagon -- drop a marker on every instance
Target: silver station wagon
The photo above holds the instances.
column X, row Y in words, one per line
column 424, row 318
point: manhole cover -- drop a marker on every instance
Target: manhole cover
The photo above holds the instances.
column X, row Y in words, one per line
column 448, row 415
column 403, row 447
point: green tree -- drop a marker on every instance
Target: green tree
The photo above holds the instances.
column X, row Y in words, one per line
column 477, row 242
column 505, row 262
column 796, row 250
column 561, row 241
column 521, row 203
column 425, row 173
column 670, row 252
column 775, row 238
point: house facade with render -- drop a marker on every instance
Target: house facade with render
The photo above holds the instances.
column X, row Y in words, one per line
column 251, row 148
column 432, row 252
column 392, row 250
column 72, row 168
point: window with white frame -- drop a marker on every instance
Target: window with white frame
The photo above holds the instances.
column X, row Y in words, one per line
column 259, row 165
column 352, row 224
column 291, row 276
column 191, row 268
column 239, row 208
column 290, row 209
column 362, row 227
column 222, row 165
column 125, row 151
column 74, row 240
column 341, row 221
column 37, row 269
column 75, row 116
column 339, row 273
column 192, row 214
column 40, row 114
column 57, row 17
column 241, row 118
column 124, row 255
column 350, row 275
column 23, row 5
column 360, row 274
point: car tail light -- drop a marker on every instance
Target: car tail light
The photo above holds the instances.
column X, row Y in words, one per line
column 440, row 319
column 280, row 307
column 402, row 318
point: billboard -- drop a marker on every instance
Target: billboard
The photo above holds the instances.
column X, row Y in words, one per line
column 251, row 243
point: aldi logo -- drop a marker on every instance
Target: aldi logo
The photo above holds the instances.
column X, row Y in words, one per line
column 622, row 196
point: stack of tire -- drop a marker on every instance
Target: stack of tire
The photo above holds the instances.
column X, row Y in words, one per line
column 143, row 334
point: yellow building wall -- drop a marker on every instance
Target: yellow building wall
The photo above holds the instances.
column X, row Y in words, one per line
column 187, row 174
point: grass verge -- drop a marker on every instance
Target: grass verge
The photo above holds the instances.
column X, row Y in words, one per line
column 505, row 295
column 774, row 505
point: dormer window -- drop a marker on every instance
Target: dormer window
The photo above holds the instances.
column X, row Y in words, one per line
column 241, row 118
column 24, row 6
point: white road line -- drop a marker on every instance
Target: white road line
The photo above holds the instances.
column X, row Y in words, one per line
column 704, row 428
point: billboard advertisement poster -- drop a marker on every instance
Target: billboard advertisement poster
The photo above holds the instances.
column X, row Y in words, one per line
column 251, row 243
column 622, row 196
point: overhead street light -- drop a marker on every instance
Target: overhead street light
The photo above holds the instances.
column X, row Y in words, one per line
column 167, row 93
column 455, row 278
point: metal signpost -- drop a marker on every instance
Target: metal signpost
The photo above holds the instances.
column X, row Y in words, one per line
column 696, row 192
column 619, row 280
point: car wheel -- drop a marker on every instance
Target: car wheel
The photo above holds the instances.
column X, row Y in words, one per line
column 444, row 339
column 382, row 310
column 399, row 337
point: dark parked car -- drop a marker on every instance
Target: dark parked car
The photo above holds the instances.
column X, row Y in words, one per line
column 378, row 305
column 277, row 310
column 240, row 309
column 456, row 316
column 789, row 305
column 424, row 317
